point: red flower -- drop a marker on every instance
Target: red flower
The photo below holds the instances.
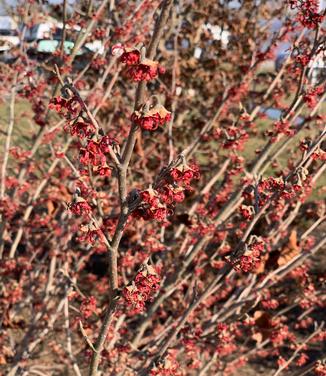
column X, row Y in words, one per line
column 145, row 71
column 151, row 207
column 308, row 14
column 246, row 212
column 105, row 143
column 92, row 154
column 320, row 369
column 130, row 57
column 283, row 127
column 146, row 283
column 150, row 120
column 104, row 171
column 88, row 307
column 57, row 104
column 185, row 174
column 311, row 96
column 302, row 360
column 80, row 206
column 80, row 129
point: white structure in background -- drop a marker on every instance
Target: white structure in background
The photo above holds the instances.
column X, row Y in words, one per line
column 39, row 31
column 322, row 6
column 46, row 30
column 317, row 68
column 96, row 46
column 8, row 33
column 52, row 29
column 218, row 34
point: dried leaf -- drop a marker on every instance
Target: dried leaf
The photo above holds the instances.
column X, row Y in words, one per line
column 290, row 250
column 263, row 324
column 50, row 206
column 184, row 219
column 150, row 270
column 262, row 264
column 258, row 337
column 262, row 319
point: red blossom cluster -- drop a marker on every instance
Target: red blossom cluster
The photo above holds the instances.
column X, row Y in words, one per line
column 278, row 191
column 142, row 289
column 168, row 367
column 281, row 127
column 151, row 119
column 80, row 207
column 320, row 369
column 250, row 260
column 138, row 68
column 247, row 212
column 151, row 206
column 94, row 149
column 308, row 14
column 282, row 334
column 94, row 154
column 184, row 175
column 159, row 203
column 130, row 57
column 233, row 137
column 302, row 360
column 311, row 96
column 90, row 233
column 226, row 337
column 88, row 307
column 66, row 107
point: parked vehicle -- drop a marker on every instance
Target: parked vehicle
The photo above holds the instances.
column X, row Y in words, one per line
column 44, row 49
column 53, row 30
column 9, row 35
column 43, row 30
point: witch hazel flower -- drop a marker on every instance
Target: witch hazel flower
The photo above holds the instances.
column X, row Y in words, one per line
column 142, row 289
column 151, row 206
column 247, row 212
column 250, row 259
column 130, row 57
column 145, row 71
column 151, row 119
column 139, row 67
column 159, row 203
column 320, row 368
column 104, row 170
column 184, row 174
column 91, row 154
column 80, row 128
column 170, row 194
column 311, row 96
column 168, row 367
column 283, row 127
column 94, row 154
column 90, row 233
column 80, row 206
column 88, row 307
column 68, row 108
column 308, row 14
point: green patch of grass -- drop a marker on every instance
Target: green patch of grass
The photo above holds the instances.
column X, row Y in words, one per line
column 24, row 126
